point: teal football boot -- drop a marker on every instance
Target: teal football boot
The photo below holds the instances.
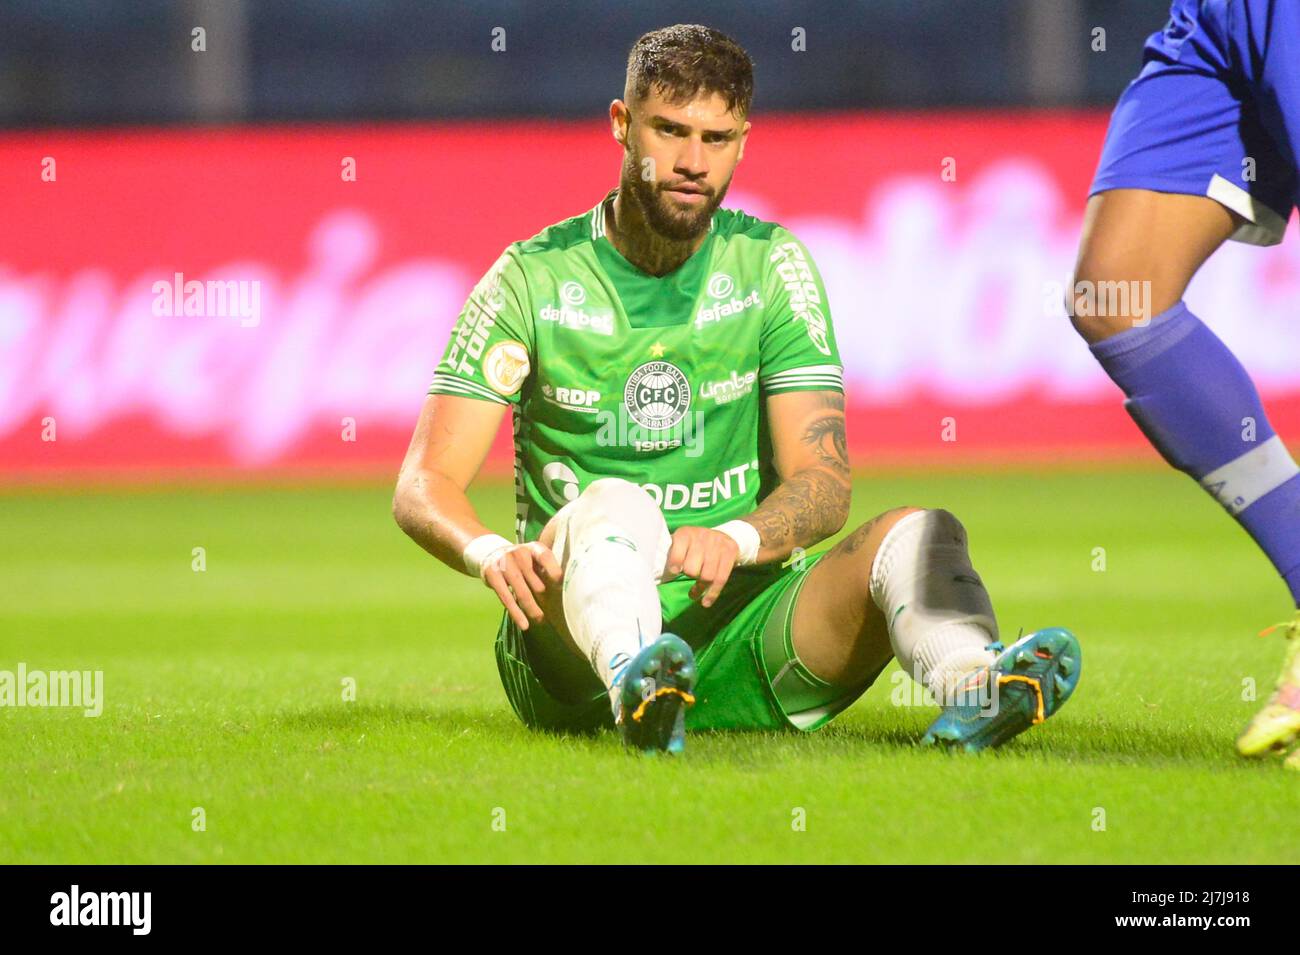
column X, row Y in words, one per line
column 656, row 690
column 1027, row 682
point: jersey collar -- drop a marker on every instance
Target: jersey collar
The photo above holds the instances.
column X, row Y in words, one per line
column 597, row 217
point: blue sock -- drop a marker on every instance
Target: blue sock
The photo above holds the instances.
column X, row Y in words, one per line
column 1196, row 404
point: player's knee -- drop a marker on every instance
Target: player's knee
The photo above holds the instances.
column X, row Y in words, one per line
column 619, row 498
column 883, row 523
column 612, row 492
column 1112, row 294
column 891, row 517
column 865, row 540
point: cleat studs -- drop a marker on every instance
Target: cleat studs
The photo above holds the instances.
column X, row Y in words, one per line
column 1062, row 685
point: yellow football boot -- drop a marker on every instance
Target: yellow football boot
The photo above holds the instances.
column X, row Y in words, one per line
column 1278, row 723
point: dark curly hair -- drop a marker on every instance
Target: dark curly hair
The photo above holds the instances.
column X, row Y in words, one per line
column 687, row 59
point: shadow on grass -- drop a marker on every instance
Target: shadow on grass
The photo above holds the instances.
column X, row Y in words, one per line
column 362, row 716
column 1096, row 741
column 1092, row 741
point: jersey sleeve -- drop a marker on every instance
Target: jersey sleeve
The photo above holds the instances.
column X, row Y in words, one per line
column 797, row 350
column 491, row 349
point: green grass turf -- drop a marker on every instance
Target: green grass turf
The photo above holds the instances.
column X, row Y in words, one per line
column 223, row 691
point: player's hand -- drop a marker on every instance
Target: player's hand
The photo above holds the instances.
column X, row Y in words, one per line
column 705, row 554
column 527, row 580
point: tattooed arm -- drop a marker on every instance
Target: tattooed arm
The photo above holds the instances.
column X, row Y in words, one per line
column 812, row 501
column 810, row 504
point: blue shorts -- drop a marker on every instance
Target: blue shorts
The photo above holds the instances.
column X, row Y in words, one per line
column 1215, row 112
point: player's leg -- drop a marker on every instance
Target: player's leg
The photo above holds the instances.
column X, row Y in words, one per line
column 1137, row 255
column 1190, row 395
column 1187, row 392
column 1278, row 91
column 612, row 543
column 903, row 585
column 1191, row 159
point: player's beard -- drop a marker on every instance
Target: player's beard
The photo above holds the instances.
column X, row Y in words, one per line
column 666, row 217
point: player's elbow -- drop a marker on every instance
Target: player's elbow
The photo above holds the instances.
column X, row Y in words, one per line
column 401, row 507
column 839, row 515
column 834, row 491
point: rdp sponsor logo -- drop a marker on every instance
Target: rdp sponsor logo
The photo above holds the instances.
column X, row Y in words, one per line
column 801, row 287
column 103, row 908
column 575, row 399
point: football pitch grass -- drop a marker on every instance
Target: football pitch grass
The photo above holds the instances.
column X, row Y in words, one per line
column 223, row 692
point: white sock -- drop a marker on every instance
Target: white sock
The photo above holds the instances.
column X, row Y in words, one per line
column 940, row 616
column 613, row 545
column 611, row 605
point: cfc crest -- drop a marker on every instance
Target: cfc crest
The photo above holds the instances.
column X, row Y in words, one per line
column 657, row 395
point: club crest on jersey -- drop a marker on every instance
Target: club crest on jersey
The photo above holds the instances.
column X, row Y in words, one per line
column 657, row 395
column 505, row 366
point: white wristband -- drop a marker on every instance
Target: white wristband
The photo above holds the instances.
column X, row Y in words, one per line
column 745, row 535
column 482, row 551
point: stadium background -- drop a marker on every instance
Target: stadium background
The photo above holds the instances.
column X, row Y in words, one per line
column 935, row 158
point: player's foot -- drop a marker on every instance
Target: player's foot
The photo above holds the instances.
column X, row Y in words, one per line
column 1274, row 727
column 656, row 690
column 1031, row 679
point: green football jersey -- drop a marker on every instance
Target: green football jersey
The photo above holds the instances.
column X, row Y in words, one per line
column 613, row 372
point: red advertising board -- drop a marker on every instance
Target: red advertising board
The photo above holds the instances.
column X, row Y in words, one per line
column 335, row 260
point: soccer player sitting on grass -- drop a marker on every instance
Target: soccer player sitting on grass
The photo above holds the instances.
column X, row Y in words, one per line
column 679, row 433
column 1203, row 147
